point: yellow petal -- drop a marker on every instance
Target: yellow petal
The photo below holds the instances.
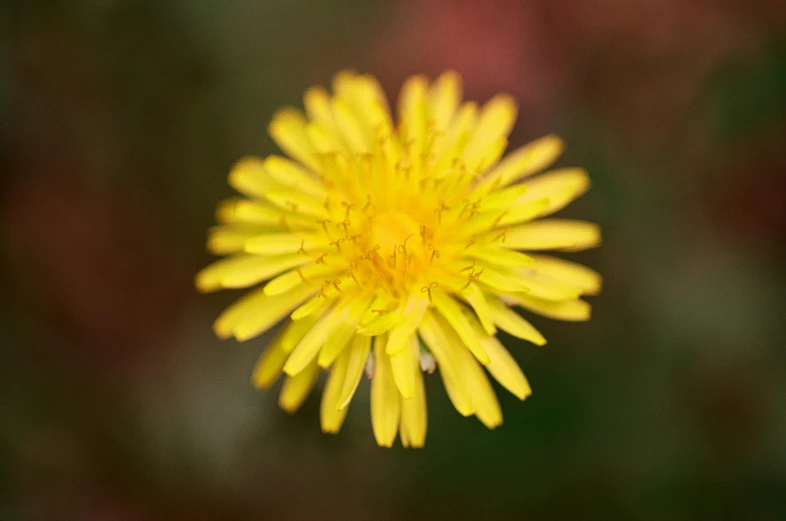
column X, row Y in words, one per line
column 499, row 257
column 443, row 98
column 238, row 210
column 225, row 211
column 500, row 279
column 408, row 320
column 545, row 287
column 550, row 234
column 385, row 400
column 474, row 296
column 490, row 157
column 324, row 138
column 381, row 324
column 518, row 213
column 308, row 347
column 348, row 319
column 523, row 212
column 249, row 177
column 505, row 369
column 279, row 243
column 297, row 201
column 314, row 306
column 412, row 112
column 331, row 416
column 270, row 311
column 349, row 128
column 358, row 353
column 457, row 134
column 257, row 312
column 344, row 82
column 443, row 352
column 502, row 199
column 451, row 310
column 296, row 388
column 231, row 238
column 291, row 175
column 588, row 280
column 413, row 410
column 241, row 271
column 560, row 187
column 378, row 308
column 267, row 218
column 522, row 162
column 316, row 100
column 484, row 401
column 288, row 130
column 311, row 273
column 293, row 332
column 569, row 310
column 484, row 222
column 405, row 366
column 269, row 366
column 510, row 322
column 366, row 98
column 495, row 122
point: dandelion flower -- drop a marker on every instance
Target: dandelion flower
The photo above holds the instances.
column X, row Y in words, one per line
column 398, row 249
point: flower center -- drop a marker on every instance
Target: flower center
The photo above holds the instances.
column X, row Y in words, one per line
column 392, row 229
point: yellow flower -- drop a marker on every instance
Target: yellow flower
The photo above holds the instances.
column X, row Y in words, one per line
column 394, row 249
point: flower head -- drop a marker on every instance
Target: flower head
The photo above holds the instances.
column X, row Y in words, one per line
column 394, row 249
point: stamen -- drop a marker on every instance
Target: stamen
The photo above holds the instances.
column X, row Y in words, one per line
column 498, row 219
column 367, row 256
column 427, row 289
column 472, row 276
column 324, row 223
column 346, row 224
column 353, row 264
column 302, row 249
column 502, row 235
column 464, row 208
column 442, row 208
column 337, row 243
column 369, row 204
column 348, row 207
column 434, row 253
column 336, row 283
column 321, row 259
column 470, row 267
column 403, row 247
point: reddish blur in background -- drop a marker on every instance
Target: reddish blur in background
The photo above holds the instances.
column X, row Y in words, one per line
column 119, row 121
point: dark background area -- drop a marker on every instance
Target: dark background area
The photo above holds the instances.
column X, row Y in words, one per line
column 119, row 121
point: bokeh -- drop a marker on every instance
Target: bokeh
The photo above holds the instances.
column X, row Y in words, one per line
column 119, row 121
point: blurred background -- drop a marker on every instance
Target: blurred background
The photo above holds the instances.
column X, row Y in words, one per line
column 119, row 121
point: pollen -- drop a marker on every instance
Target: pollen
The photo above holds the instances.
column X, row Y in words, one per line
column 393, row 248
